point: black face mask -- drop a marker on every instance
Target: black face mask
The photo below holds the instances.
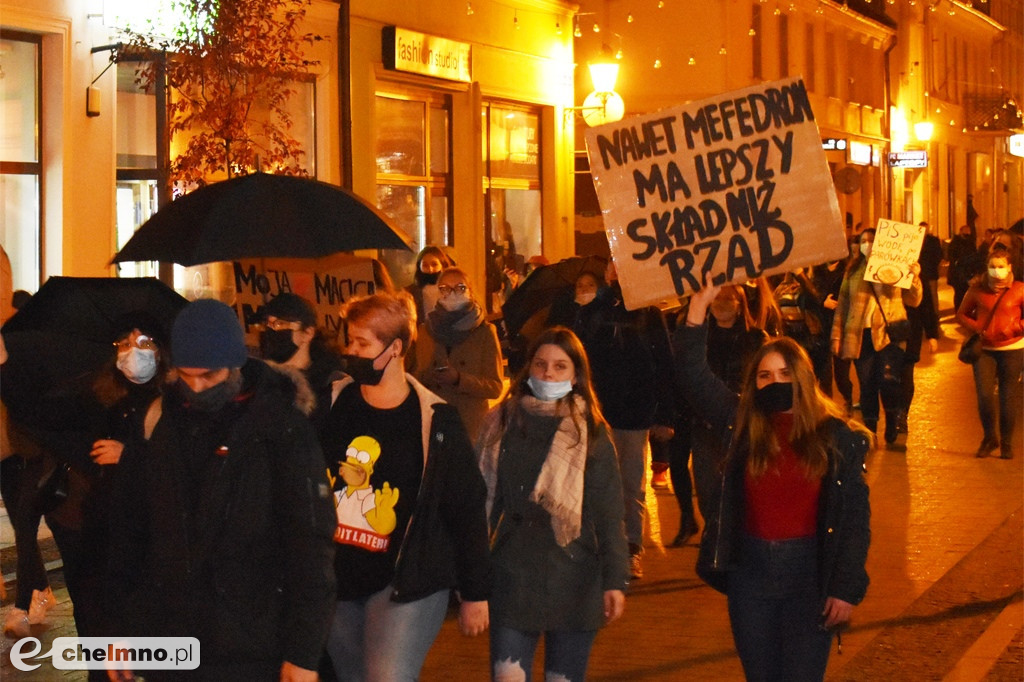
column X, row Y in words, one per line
column 213, row 398
column 774, row 397
column 277, row 346
column 425, row 278
column 362, row 370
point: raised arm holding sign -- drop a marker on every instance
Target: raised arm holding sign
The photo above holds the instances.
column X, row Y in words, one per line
column 735, row 186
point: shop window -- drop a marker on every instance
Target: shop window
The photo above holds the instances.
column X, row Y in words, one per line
column 413, row 156
column 512, row 193
column 20, row 156
column 138, row 177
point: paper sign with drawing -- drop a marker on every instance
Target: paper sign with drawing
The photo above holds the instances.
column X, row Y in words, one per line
column 735, row 185
column 897, row 246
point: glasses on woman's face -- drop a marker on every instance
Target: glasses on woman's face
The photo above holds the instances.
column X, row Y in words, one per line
column 445, row 289
column 143, row 342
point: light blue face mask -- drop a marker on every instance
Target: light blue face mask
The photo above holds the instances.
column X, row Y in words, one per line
column 549, row 390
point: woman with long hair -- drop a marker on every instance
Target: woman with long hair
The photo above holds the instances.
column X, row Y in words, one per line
column 994, row 307
column 555, row 510
column 788, row 535
column 865, row 322
column 430, row 261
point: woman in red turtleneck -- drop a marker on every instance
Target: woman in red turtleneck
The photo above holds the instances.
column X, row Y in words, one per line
column 788, row 537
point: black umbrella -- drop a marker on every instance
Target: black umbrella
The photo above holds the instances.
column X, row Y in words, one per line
column 64, row 333
column 261, row 216
column 544, row 285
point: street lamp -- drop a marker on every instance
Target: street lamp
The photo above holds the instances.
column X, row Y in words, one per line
column 923, row 130
column 603, row 105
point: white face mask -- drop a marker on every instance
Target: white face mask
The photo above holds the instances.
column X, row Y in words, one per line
column 549, row 390
column 138, row 365
column 584, row 299
column 454, row 301
column 865, row 248
column 998, row 274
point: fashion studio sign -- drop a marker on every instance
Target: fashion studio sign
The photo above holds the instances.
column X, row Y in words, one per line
column 405, row 50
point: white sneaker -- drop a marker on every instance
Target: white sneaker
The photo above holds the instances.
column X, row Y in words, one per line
column 16, row 625
column 42, row 602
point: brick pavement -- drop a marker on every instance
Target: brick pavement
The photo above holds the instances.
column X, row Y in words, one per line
column 945, row 564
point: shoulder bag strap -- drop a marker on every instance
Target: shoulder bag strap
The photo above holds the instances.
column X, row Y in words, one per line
column 992, row 313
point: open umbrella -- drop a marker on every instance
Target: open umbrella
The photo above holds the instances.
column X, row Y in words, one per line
column 261, row 216
column 65, row 333
column 544, row 285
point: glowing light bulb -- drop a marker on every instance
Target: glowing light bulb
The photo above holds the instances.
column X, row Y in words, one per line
column 692, row 61
column 469, row 9
column 657, row 63
column 629, row 18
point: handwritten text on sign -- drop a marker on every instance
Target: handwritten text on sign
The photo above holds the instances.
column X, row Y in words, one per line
column 897, row 246
column 736, row 186
column 256, row 282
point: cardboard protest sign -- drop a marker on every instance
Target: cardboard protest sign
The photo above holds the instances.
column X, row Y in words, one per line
column 897, row 246
column 248, row 284
column 736, row 186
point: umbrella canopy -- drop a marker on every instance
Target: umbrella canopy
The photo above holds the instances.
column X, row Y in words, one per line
column 65, row 333
column 261, row 216
column 544, row 285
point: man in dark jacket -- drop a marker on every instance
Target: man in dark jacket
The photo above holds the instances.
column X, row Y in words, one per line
column 290, row 337
column 631, row 361
column 232, row 530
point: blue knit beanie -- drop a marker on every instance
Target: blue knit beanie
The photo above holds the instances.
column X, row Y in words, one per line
column 208, row 335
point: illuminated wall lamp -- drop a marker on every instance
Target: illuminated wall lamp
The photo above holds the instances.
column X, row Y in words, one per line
column 604, row 105
column 923, row 130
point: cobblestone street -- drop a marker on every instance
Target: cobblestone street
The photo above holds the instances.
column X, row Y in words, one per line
column 946, row 566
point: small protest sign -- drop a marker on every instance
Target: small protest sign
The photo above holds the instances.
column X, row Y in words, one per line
column 248, row 284
column 897, row 246
column 735, row 186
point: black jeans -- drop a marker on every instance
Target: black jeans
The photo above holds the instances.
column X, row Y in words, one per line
column 676, row 453
column 21, row 478
column 872, row 387
column 775, row 611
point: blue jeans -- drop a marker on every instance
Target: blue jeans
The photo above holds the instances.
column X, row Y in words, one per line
column 1002, row 368
column 374, row 639
column 565, row 654
column 775, row 611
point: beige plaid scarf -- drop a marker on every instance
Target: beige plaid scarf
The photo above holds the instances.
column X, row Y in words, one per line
column 559, row 486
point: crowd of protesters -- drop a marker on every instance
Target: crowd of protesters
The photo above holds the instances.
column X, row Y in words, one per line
column 317, row 510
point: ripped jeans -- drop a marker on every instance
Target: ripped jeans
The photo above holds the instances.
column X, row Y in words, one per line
column 565, row 654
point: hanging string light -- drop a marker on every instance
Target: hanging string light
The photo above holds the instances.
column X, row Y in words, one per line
column 597, row 29
column 657, row 63
column 629, row 18
column 576, row 32
column 691, row 61
column 721, row 50
column 469, row 9
column 558, row 27
column 515, row 19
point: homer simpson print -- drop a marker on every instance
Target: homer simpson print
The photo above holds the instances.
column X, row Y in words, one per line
column 366, row 517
